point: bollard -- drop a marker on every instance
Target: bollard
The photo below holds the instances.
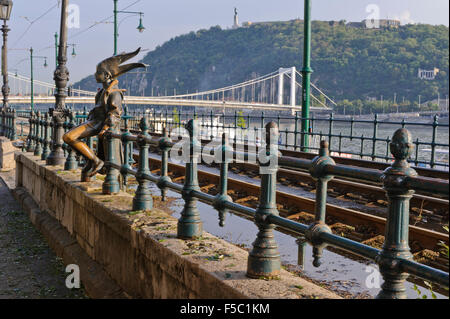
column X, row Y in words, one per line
column 164, row 145
column 38, row 148
column 143, row 198
column 71, row 160
column 189, row 224
column 111, row 184
column 47, row 134
column 225, row 153
column 397, row 222
column 317, row 171
column 264, row 258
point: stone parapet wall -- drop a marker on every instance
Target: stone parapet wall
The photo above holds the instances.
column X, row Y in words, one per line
column 139, row 250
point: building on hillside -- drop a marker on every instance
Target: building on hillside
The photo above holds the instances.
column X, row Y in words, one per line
column 380, row 23
column 427, row 74
column 356, row 25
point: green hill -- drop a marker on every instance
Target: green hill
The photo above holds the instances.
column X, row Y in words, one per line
column 349, row 63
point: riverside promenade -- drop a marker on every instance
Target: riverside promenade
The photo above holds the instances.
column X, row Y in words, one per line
column 29, row 269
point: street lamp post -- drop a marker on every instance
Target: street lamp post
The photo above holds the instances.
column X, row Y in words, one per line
column 56, row 49
column 32, row 74
column 306, row 72
column 61, row 77
column 140, row 27
column 5, row 13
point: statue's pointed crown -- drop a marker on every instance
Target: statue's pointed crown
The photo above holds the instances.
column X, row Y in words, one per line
column 114, row 67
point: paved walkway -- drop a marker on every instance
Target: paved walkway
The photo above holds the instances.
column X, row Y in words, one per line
column 28, row 267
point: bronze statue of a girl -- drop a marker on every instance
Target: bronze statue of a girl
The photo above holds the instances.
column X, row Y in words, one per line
column 105, row 114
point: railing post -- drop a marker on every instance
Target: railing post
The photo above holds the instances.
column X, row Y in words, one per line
column 164, row 147
column 225, row 152
column 397, row 222
column 2, row 121
column 295, row 131
column 330, row 131
column 30, row 146
column 127, row 149
column 47, row 134
column 38, row 148
column 13, row 125
column 264, row 258
column 111, row 183
column 71, row 160
column 143, row 198
column 433, row 141
column 317, row 171
column 5, row 122
column 189, row 225
column 374, row 137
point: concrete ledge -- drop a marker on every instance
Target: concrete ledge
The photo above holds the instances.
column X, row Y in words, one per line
column 96, row 282
column 138, row 250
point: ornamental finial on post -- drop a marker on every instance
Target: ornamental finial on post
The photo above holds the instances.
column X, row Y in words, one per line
column 401, row 146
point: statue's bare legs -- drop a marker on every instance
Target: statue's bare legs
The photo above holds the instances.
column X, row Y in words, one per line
column 73, row 139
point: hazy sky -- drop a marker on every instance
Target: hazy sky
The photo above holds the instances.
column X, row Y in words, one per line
column 168, row 18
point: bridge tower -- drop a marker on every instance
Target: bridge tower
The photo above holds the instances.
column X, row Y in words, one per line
column 281, row 72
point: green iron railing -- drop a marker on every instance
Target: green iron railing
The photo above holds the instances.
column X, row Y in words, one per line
column 356, row 138
column 399, row 180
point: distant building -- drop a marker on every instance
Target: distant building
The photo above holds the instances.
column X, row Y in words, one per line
column 427, row 74
column 356, row 25
column 381, row 23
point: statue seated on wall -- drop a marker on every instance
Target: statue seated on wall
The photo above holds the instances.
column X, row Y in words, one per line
column 106, row 113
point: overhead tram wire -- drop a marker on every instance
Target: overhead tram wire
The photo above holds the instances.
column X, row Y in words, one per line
column 32, row 22
column 90, row 27
column 312, row 95
column 320, row 91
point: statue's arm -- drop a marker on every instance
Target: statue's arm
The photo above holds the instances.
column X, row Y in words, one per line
column 114, row 108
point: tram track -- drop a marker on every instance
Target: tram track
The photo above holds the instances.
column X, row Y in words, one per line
column 356, row 225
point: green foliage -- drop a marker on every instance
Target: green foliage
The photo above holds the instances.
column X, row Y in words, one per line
column 176, row 117
column 241, row 123
column 349, row 63
column 445, row 249
column 422, row 295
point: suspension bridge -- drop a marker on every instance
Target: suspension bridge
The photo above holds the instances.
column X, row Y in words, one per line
column 267, row 92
